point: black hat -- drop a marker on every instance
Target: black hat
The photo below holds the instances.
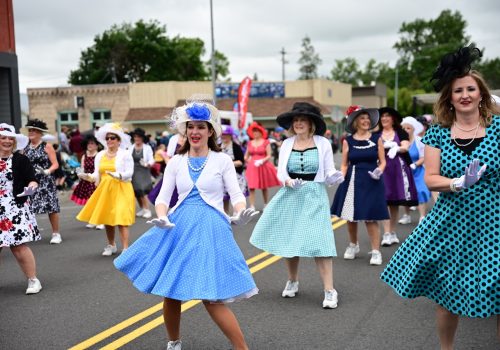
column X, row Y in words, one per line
column 306, row 109
column 392, row 112
column 139, row 132
column 87, row 139
column 37, row 124
column 354, row 111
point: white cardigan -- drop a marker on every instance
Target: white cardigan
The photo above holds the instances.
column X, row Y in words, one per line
column 147, row 153
column 326, row 164
column 219, row 174
column 123, row 162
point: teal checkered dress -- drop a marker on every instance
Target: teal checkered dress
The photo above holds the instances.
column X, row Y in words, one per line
column 296, row 222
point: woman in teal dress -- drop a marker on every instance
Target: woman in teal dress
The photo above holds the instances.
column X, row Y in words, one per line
column 453, row 256
column 296, row 223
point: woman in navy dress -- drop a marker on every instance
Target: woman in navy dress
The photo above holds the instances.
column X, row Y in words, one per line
column 361, row 196
column 191, row 252
column 453, row 256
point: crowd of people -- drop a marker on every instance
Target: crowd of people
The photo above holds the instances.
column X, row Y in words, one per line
column 452, row 256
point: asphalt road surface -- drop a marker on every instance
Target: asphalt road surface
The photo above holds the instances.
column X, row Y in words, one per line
column 87, row 304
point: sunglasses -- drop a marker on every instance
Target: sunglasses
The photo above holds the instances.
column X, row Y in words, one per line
column 111, row 138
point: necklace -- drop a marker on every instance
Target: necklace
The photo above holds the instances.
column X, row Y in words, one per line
column 202, row 165
column 468, row 143
column 110, row 154
column 466, row 130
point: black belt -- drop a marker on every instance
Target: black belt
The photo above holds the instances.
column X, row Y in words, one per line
column 306, row 177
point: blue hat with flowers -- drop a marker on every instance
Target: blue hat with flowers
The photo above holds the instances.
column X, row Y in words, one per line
column 197, row 110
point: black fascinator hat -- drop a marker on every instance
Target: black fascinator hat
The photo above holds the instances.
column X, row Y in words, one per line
column 37, row 124
column 455, row 65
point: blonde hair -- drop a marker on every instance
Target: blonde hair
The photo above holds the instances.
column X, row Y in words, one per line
column 445, row 112
column 312, row 130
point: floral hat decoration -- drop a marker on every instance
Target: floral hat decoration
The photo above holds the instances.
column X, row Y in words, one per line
column 9, row 131
column 196, row 109
column 354, row 111
column 113, row 128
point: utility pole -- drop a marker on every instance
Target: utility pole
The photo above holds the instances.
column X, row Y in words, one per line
column 213, row 53
column 283, row 62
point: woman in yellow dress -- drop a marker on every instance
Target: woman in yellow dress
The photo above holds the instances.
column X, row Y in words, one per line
column 113, row 202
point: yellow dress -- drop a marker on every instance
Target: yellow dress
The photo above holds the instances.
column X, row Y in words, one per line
column 113, row 201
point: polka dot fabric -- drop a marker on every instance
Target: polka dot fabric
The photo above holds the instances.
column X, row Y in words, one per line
column 453, row 256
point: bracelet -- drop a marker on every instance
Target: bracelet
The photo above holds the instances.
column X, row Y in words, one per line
column 453, row 185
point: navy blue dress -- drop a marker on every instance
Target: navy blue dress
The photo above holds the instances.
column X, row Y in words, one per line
column 359, row 197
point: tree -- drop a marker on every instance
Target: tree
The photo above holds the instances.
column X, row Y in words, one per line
column 346, row 71
column 139, row 52
column 309, row 60
column 221, row 65
column 490, row 70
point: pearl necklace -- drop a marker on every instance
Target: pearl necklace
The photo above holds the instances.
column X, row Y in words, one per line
column 468, row 143
column 202, row 165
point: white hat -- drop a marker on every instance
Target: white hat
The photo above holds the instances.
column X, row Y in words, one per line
column 196, row 111
column 495, row 99
column 9, row 131
column 417, row 126
column 113, row 128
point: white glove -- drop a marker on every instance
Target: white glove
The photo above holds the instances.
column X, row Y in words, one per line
column 393, row 151
column 243, row 216
column 259, row 162
column 143, row 163
column 375, row 174
column 296, row 183
column 413, row 166
column 389, row 144
column 472, row 175
column 114, row 174
column 42, row 171
column 86, row 177
column 161, row 222
column 335, row 177
column 28, row 191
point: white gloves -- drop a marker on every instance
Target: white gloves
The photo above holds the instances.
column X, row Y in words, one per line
column 243, row 216
column 161, row 222
column 42, row 171
column 296, row 183
column 28, row 191
column 375, row 174
column 413, row 166
column 114, row 174
column 86, row 177
column 472, row 175
column 393, row 151
column 143, row 163
column 389, row 144
column 259, row 162
column 334, row 177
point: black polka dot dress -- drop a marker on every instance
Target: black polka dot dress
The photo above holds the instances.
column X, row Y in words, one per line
column 453, row 255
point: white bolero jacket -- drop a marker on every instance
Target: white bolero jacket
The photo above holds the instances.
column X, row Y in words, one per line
column 147, row 153
column 326, row 164
column 218, row 175
column 123, row 162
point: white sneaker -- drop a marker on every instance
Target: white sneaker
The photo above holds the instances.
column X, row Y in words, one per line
column 376, row 257
column 386, row 239
column 351, row 251
column 100, row 227
column 90, row 226
column 147, row 214
column 140, row 213
column 394, row 238
column 174, row 345
column 405, row 219
column 331, row 299
column 56, row 238
column 109, row 250
column 291, row 288
column 413, row 208
column 34, row 286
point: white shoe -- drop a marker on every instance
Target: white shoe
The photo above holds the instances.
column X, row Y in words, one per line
column 147, row 214
column 140, row 213
column 34, row 286
column 100, row 227
column 331, row 299
column 351, row 251
column 56, row 238
column 405, row 219
column 109, row 250
column 394, row 238
column 386, row 239
column 413, row 208
column 291, row 288
column 90, row 226
column 376, row 257
column 174, row 345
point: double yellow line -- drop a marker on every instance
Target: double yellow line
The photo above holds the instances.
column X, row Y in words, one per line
column 127, row 338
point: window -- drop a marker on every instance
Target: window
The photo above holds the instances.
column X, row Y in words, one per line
column 100, row 116
column 68, row 117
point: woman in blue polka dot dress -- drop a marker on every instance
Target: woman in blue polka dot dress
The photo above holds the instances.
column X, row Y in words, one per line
column 191, row 252
column 453, row 256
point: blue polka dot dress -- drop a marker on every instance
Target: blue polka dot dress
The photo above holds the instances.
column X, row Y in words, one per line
column 197, row 259
column 296, row 222
column 453, row 256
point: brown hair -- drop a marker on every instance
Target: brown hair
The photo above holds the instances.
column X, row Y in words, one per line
column 212, row 141
column 445, row 112
column 354, row 124
column 291, row 132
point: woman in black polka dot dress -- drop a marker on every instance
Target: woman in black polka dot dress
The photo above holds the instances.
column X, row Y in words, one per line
column 453, row 256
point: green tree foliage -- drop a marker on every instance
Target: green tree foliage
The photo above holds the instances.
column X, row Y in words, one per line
column 346, row 71
column 490, row 70
column 221, row 66
column 140, row 52
column 309, row 60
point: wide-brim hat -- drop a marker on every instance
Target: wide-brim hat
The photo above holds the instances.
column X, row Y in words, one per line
column 355, row 111
column 418, row 127
column 113, row 128
column 228, row 130
column 304, row 109
column 9, row 131
column 196, row 111
column 256, row 126
column 392, row 112
column 37, row 124
column 139, row 132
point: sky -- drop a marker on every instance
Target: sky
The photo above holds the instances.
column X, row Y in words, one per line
column 51, row 34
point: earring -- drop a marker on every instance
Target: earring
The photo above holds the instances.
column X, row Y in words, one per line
column 451, row 107
column 479, row 104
